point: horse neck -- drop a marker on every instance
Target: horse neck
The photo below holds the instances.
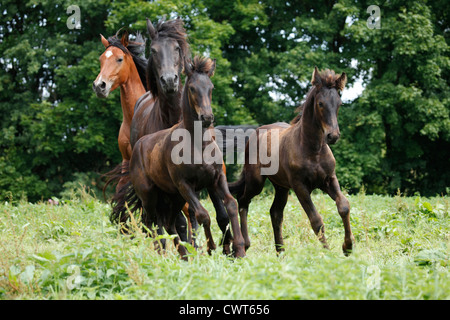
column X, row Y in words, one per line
column 188, row 121
column 130, row 91
column 170, row 107
column 309, row 129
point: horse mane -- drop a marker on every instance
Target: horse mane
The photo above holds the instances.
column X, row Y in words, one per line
column 327, row 78
column 202, row 64
column 299, row 109
column 136, row 49
column 173, row 29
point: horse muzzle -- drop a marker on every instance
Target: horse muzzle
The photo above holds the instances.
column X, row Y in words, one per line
column 101, row 89
column 333, row 137
column 206, row 120
column 169, row 83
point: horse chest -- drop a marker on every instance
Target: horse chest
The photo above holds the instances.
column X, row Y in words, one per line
column 313, row 171
column 200, row 176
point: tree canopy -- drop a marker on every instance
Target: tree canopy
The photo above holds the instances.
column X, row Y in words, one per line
column 395, row 134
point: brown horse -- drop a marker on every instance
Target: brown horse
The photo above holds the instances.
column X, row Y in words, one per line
column 121, row 65
column 160, row 109
column 305, row 161
column 155, row 176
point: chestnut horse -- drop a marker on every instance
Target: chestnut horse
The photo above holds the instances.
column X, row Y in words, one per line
column 156, row 177
column 306, row 162
column 121, row 65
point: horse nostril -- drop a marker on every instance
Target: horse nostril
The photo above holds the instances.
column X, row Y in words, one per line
column 163, row 81
column 103, row 85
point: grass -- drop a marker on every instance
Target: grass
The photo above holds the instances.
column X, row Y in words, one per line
column 72, row 251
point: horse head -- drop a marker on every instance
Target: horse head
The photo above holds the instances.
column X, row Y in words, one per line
column 327, row 101
column 199, row 89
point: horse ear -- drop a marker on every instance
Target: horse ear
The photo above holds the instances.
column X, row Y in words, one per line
column 212, row 68
column 124, row 39
column 341, row 81
column 316, row 81
column 188, row 67
column 151, row 29
column 104, row 41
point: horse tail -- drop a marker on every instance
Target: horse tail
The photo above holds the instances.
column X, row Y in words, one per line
column 237, row 188
column 119, row 172
column 125, row 201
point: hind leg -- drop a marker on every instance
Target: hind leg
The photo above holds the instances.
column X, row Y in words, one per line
column 276, row 215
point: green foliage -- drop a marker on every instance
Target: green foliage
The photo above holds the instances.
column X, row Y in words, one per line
column 395, row 135
column 71, row 251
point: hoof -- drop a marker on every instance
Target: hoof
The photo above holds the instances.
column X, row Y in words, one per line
column 347, row 249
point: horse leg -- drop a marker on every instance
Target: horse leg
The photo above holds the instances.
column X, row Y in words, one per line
column 123, row 180
column 189, row 222
column 181, row 226
column 194, row 228
column 222, row 220
column 146, row 191
column 334, row 191
column 254, row 183
column 231, row 207
column 201, row 214
column 304, row 196
column 276, row 215
column 175, row 214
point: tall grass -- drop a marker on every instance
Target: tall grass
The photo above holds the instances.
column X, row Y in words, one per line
column 72, row 251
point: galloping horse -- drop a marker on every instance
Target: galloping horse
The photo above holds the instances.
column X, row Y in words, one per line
column 121, row 65
column 160, row 109
column 155, row 176
column 305, row 161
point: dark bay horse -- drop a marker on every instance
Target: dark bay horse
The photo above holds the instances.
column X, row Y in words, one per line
column 155, row 175
column 160, row 109
column 122, row 65
column 304, row 158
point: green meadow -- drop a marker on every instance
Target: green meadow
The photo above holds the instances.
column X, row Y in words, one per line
column 72, row 251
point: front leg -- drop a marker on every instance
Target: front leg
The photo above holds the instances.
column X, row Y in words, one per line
column 201, row 214
column 333, row 189
column 304, row 196
column 231, row 206
column 222, row 219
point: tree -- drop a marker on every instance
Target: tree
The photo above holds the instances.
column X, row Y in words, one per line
column 52, row 126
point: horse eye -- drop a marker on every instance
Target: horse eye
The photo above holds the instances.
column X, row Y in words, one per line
column 120, row 60
column 321, row 104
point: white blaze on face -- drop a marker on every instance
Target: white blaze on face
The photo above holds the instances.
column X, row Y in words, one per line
column 108, row 53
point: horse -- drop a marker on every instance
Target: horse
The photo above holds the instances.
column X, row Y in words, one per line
column 159, row 109
column 305, row 161
column 155, row 175
column 122, row 65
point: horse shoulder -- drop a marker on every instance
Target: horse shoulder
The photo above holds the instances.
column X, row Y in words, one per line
column 327, row 161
